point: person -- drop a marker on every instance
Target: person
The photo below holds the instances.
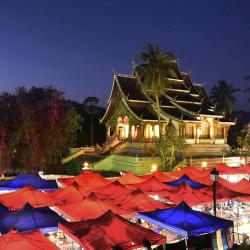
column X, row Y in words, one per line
column 146, row 244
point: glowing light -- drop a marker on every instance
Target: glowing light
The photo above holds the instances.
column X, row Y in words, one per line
column 204, row 164
column 154, row 168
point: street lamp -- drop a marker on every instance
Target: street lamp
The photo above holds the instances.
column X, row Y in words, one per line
column 214, row 174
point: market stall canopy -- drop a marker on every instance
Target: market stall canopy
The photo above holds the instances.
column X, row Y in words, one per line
column 137, row 201
column 26, row 241
column 223, row 168
column 184, row 221
column 192, row 197
column 71, row 193
column 225, row 194
column 193, row 184
column 130, row 178
column 160, row 176
column 242, row 186
column 29, row 218
column 33, row 180
column 90, row 234
column 153, row 185
column 3, row 209
column 86, row 180
column 17, row 199
column 89, row 208
column 113, row 191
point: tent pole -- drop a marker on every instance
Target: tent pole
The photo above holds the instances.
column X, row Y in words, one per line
column 186, row 243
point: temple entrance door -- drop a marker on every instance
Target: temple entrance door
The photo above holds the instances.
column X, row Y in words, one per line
column 121, row 133
column 137, row 133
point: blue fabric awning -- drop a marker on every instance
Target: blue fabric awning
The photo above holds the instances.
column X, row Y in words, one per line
column 184, row 221
column 32, row 179
column 3, row 209
column 29, row 218
column 193, row 184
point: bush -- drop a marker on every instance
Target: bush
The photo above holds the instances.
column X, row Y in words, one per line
column 73, row 168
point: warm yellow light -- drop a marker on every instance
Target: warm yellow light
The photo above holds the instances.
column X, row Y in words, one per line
column 85, row 164
column 154, row 168
column 204, row 164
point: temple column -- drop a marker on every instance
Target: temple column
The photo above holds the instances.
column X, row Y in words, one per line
column 211, row 131
column 142, row 132
column 225, row 133
column 195, row 133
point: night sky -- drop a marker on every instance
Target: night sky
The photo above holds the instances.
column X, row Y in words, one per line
column 74, row 45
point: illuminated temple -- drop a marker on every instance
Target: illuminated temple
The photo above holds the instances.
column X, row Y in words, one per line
column 131, row 113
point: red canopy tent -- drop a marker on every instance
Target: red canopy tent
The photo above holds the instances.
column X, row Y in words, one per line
column 87, row 180
column 242, row 186
column 90, row 234
column 26, row 241
column 17, row 199
column 190, row 196
column 113, row 191
column 224, row 194
column 130, row 178
column 137, row 201
column 71, row 193
column 160, row 176
column 153, row 186
column 223, row 168
column 199, row 175
column 90, row 207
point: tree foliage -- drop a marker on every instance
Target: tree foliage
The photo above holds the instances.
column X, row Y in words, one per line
column 167, row 147
column 153, row 69
column 223, row 97
column 37, row 127
column 244, row 144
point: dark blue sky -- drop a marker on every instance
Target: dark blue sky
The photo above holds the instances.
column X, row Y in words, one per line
column 74, row 44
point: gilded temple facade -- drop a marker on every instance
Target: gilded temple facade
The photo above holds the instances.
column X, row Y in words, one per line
column 131, row 112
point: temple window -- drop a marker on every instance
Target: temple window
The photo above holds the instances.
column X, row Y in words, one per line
column 189, row 131
column 156, row 131
column 220, row 133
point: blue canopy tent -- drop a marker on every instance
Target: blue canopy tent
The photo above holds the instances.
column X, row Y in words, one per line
column 3, row 209
column 184, row 221
column 193, row 184
column 29, row 218
column 32, row 179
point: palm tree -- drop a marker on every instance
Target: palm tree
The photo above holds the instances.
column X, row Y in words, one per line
column 247, row 78
column 152, row 72
column 90, row 104
column 222, row 96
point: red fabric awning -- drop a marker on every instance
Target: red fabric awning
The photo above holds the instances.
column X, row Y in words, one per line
column 71, row 193
column 17, row 199
column 90, row 234
column 160, row 176
column 243, row 186
column 26, row 241
column 190, row 196
column 86, row 180
column 113, row 191
column 153, row 185
column 90, row 207
column 130, row 178
column 224, row 194
column 223, row 168
column 138, row 201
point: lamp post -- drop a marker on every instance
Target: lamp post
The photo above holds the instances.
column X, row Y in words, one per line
column 214, row 174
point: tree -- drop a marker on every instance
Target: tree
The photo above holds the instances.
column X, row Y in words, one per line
column 168, row 146
column 222, row 96
column 37, row 128
column 247, row 78
column 244, row 144
column 91, row 103
column 153, row 69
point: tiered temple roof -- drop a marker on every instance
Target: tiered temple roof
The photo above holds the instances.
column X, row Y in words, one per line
column 183, row 100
